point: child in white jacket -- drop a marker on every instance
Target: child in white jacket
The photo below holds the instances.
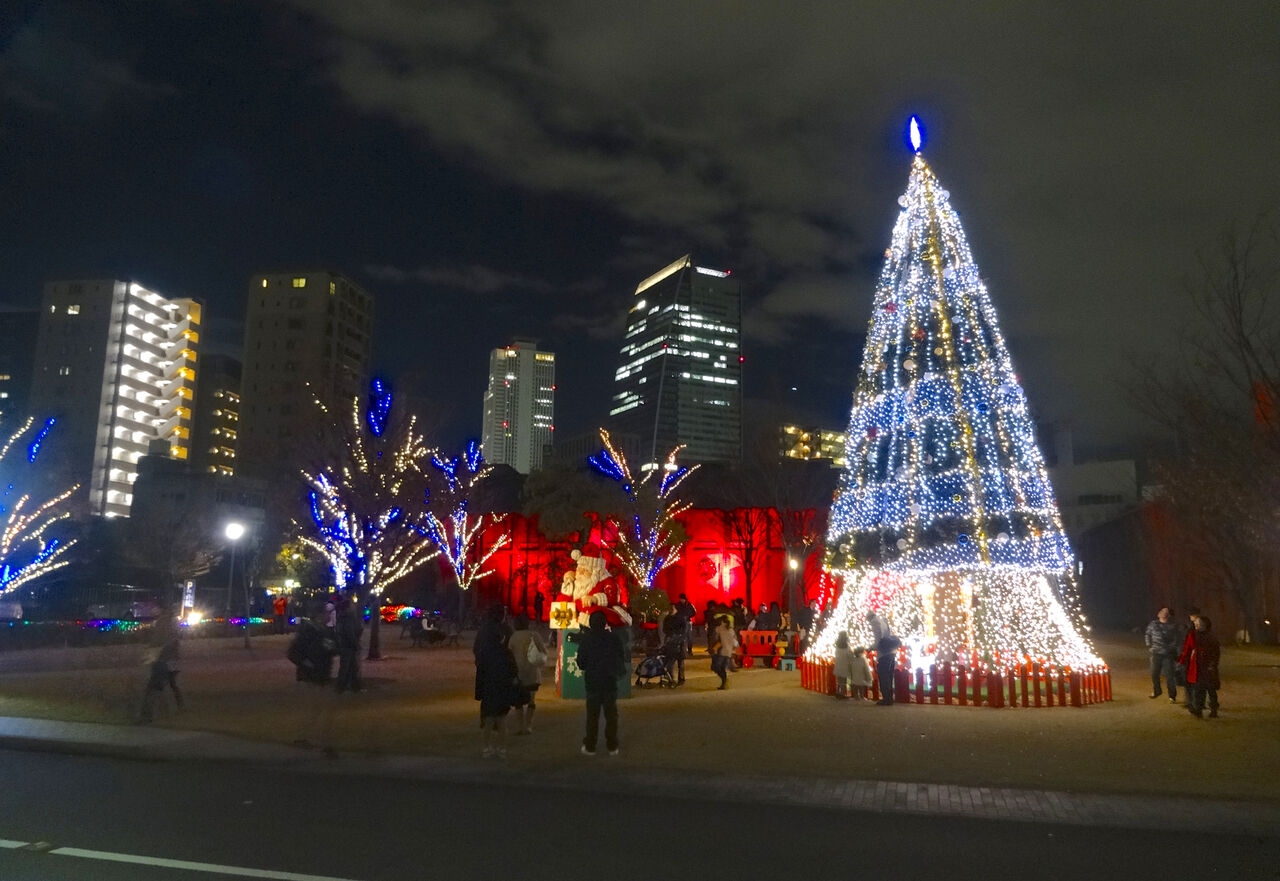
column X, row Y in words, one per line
column 860, row 679
column 843, row 667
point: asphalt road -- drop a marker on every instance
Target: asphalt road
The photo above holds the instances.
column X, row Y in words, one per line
column 223, row 821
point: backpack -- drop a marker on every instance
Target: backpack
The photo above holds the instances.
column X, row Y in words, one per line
column 533, row 655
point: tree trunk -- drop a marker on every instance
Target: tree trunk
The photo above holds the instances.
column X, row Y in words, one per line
column 375, row 632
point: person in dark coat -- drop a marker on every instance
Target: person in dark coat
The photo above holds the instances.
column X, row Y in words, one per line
column 1161, row 637
column 497, row 682
column 348, row 629
column 601, row 660
column 1202, row 669
column 538, row 601
column 887, row 646
column 675, row 645
column 1188, row 647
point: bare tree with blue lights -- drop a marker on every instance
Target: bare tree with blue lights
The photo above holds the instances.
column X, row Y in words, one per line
column 29, row 545
column 649, row 538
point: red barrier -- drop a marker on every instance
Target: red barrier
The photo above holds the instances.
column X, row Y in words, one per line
column 964, row 684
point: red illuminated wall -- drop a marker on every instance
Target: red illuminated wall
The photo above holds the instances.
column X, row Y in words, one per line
column 710, row 568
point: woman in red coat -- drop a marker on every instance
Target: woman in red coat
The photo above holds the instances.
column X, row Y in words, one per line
column 1200, row 654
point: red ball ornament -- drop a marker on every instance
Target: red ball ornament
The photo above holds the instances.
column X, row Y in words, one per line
column 891, row 307
column 872, row 432
column 918, row 333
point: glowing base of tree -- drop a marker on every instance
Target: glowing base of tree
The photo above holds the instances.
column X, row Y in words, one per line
column 999, row 616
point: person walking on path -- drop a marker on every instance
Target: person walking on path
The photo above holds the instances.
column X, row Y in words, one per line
column 162, row 669
column 1188, row 648
column 722, row 651
column 538, row 601
column 497, row 682
column 601, row 660
column 1202, row 669
column 1161, row 638
column 887, row 646
column 349, row 628
column 312, row 650
column 530, row 655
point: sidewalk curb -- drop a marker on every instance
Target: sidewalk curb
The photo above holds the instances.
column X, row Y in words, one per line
column 615, row 776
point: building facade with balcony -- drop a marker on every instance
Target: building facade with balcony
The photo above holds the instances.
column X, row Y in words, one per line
column 115, row 365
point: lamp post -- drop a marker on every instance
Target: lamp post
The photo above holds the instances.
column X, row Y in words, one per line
column 234, row 531
column 794, row 565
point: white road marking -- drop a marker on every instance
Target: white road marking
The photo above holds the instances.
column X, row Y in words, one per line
column 10, row 845
column 186, row 865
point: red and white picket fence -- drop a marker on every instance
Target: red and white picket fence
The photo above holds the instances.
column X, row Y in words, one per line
column 1027, row 684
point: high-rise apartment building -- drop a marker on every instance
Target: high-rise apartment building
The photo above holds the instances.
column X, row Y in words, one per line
column 17, row 354
column 811, row 442
column 115, row 364
column 307, row 335
column 519, row 406
column 215, row 428
column 680, row 367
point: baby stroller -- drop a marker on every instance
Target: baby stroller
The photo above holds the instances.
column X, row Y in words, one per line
column 655, row 666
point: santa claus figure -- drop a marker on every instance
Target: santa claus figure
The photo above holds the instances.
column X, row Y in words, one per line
column 591, row 587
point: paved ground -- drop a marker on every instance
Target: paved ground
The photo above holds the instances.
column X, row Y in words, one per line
column 197, row 820
column 1133, row 762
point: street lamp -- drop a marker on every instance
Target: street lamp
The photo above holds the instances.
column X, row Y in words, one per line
column 234, row 531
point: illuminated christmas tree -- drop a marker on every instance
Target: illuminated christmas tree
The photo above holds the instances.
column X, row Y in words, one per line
column 944, row 522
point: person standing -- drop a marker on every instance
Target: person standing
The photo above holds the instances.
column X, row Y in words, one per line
column 601, row 660
column 1188, row 648
column 1161, row 638
column 348, row 628
column 860, row 682
column 674, row 645
column 497, row 682
column 1202, row 669
column 887, row 646
column 687, row 612
column 722, row 651
column 538, row 601
column 280, row 610
column 530, row 655
column 843, row 666
column 312, row 650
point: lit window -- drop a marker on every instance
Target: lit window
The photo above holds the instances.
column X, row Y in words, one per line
column 73, row 309
column 64, row 371
column 299, row 282
column 264, row 282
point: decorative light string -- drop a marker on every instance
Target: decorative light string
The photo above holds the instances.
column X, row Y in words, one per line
column 649, row 544
column 28, row 550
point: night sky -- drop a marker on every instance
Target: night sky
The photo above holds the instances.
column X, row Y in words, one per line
column 492, row 169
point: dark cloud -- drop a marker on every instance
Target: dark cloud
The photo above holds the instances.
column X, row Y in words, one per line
column 472, row 279
column 549, row 156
